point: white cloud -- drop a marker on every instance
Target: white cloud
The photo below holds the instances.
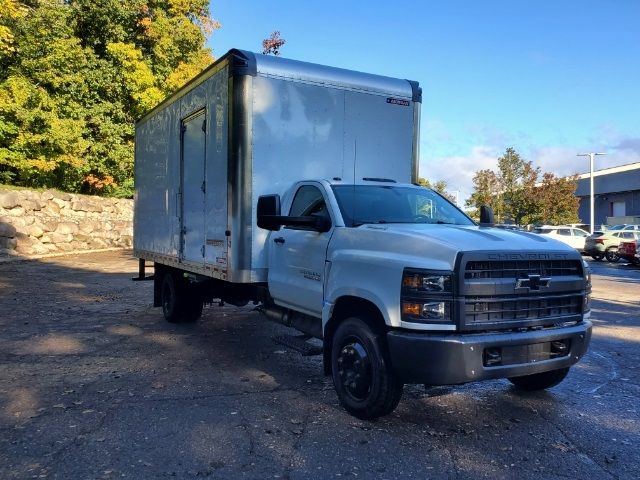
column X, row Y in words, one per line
column 458, row 170
column 564, row 161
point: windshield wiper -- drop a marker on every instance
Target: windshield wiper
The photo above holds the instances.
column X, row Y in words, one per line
column 358, row 224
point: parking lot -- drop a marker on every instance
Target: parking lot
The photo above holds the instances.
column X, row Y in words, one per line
column 95, row 384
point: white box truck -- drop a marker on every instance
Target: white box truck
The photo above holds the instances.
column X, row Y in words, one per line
column 292, row 185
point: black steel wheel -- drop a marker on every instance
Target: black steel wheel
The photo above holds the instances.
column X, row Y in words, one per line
column 362, row 376
column 179, row 302
column 612, row 254
column 540, row 381
column 598, row 256
column 354, row 366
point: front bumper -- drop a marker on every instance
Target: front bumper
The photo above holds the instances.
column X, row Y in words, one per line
column 460, row 358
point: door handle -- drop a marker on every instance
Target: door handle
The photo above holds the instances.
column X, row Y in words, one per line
column 278, row 240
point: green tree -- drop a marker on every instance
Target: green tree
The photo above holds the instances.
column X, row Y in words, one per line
column 439, row 186
column 517, row 180
column 516, row 196
column 557, row 200
column 487, row 191
column 74, row 77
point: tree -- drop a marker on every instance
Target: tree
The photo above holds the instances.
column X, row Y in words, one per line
column 487, row 191
column 74, row 77
column 517, row 180
column 557, row 200
column 273, row 44
column 439, row 186
column 516, row 196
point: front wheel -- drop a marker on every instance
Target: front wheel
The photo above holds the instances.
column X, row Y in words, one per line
column 540, row 381
column 612, row 255
column 597, row 257
column 362, row 376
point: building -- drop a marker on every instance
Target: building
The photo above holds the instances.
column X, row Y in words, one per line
column 616, row 192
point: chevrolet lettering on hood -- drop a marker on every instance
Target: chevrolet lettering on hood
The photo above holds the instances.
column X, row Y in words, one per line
column 527, row 256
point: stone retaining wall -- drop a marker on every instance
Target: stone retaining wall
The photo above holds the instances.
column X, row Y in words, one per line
column 36, row 223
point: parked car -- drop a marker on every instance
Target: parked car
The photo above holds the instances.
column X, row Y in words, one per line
column 605, row 244
column 574, row 237
column 629, row 251
column 582, row 226
column 623, row 226
column 507, row 226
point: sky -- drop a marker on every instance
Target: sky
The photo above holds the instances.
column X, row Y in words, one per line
column 548, row 78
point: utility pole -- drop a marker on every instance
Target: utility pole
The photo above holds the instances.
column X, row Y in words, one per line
column 591, row 202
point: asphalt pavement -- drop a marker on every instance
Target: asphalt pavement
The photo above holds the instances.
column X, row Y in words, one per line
column 95, row 384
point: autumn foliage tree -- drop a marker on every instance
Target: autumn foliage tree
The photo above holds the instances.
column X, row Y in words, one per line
column 516, row 194
column 273, row 44
column 74, row 77
column 556, row 199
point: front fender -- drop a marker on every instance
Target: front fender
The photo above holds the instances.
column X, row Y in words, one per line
column 375, row 281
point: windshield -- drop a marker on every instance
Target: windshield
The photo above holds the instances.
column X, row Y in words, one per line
column 362, row 204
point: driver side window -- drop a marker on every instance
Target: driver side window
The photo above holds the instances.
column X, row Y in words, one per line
column 308, row 201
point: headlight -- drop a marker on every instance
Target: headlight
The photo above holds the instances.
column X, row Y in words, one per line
column 426, row 296
column 425, row 282
column 421, row 312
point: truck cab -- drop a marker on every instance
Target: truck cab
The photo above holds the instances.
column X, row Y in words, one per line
column 405, row 288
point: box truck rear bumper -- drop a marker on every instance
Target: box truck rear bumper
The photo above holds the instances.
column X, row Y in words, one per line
column 436, row 359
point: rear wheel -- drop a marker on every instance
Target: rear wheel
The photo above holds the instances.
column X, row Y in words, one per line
column 612, row 254
column 540, row 381
column 362, row 376
column 598, row 256
column 179, row 302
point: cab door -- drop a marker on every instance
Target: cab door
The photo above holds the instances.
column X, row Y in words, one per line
column 297, row 255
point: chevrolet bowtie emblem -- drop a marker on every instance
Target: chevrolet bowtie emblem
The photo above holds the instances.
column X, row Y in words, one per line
column 533, row 282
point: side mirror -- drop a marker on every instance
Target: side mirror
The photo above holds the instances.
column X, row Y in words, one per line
column 486, row 216
column 268, row 212
column 322, row 224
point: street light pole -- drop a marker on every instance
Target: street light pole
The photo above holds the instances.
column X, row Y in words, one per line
column 591, row 201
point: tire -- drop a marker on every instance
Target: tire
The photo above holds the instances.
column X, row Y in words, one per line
column 540, row 381
column 598, row 256
column 612, row 255
column 362, row 376
column 179, row 304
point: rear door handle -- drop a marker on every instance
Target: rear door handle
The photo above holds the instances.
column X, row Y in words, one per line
column 278, row 240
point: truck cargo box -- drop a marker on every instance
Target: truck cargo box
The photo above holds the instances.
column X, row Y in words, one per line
column 252, row 124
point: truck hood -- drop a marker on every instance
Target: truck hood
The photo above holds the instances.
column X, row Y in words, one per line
column 463, row 238
column 436, row 246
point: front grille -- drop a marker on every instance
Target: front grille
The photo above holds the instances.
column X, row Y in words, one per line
column 521, row 268
column 480, row 309
column 521, row 292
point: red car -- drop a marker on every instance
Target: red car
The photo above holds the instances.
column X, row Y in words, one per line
column 629, row 251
